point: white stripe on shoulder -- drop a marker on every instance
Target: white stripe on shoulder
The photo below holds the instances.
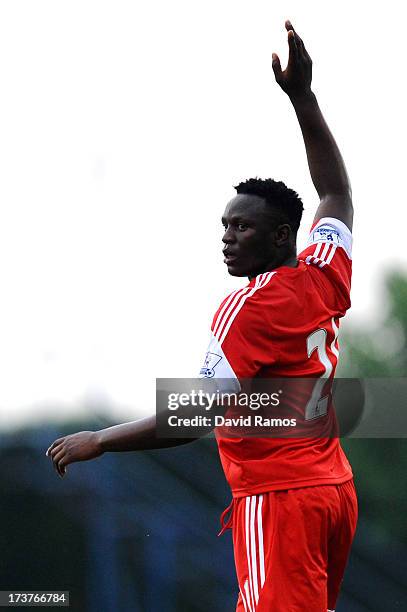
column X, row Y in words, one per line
column 226, row 304
column 325, row 257
column 328, row 258
column 331, row 254
column 235, row 305
column 317, row 249
column 261, row 281
column 227, row 307
column 265, row 279
column 325, row 250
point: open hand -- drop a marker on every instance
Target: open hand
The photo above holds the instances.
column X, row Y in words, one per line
column 295, row 80
column 76, row 447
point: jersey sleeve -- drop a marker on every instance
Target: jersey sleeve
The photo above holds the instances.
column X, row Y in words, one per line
column 241, row 345
column 329, row 249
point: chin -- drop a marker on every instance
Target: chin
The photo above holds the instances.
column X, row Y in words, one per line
column 236, row 272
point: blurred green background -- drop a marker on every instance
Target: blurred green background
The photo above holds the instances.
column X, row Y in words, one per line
column 379, row 350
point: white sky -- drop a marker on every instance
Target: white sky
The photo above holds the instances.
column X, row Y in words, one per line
column 123, row 126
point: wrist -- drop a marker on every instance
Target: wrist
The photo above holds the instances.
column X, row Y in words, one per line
column 303, row 98
column 99, row 440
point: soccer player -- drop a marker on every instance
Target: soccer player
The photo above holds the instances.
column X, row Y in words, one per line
column 294, row 508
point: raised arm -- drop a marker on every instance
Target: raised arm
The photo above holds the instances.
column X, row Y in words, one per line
column 325, row 162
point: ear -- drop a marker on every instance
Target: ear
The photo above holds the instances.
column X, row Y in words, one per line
column 283, row 235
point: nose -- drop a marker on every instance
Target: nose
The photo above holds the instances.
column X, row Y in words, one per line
column 228, row 236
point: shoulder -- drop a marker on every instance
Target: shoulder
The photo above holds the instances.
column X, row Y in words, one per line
column 328, row 256
column 330, row 233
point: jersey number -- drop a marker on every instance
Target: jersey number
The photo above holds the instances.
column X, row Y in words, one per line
column 317, row 406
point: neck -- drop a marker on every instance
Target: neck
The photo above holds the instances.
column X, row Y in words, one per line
column 290, row 262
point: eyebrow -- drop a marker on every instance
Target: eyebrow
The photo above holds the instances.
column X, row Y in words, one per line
column 238, row 219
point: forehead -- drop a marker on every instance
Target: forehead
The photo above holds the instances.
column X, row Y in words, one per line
column 245, row 206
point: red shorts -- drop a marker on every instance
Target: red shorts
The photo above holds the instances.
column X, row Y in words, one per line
column 291, row 547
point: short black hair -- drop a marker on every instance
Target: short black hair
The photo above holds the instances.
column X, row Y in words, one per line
column 286, row 202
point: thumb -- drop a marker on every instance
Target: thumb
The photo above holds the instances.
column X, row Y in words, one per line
column 276, row 67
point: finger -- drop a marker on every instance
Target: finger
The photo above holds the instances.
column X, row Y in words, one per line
column 57, row 462
column 292, row 47
column 49, row 449
column 276, row 64
column 57, row 458
column 55, row 443
column 61, row 468
column 56, row 450
column 289, row 26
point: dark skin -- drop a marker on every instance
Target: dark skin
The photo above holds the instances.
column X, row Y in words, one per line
column 327, row 169
column 252, row 244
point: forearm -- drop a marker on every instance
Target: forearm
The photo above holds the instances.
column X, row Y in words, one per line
column 134, row 436
column 327, row 168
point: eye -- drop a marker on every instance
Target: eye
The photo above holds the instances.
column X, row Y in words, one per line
column 242, row 227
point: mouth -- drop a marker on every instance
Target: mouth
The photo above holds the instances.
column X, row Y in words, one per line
column 229, row 258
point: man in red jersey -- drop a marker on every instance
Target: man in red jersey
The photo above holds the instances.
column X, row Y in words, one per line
column 294, row 506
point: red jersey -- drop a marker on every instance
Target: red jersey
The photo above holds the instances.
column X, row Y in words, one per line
column 285, row 323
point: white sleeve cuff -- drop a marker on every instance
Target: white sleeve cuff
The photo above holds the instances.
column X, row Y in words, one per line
column 329, row 229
